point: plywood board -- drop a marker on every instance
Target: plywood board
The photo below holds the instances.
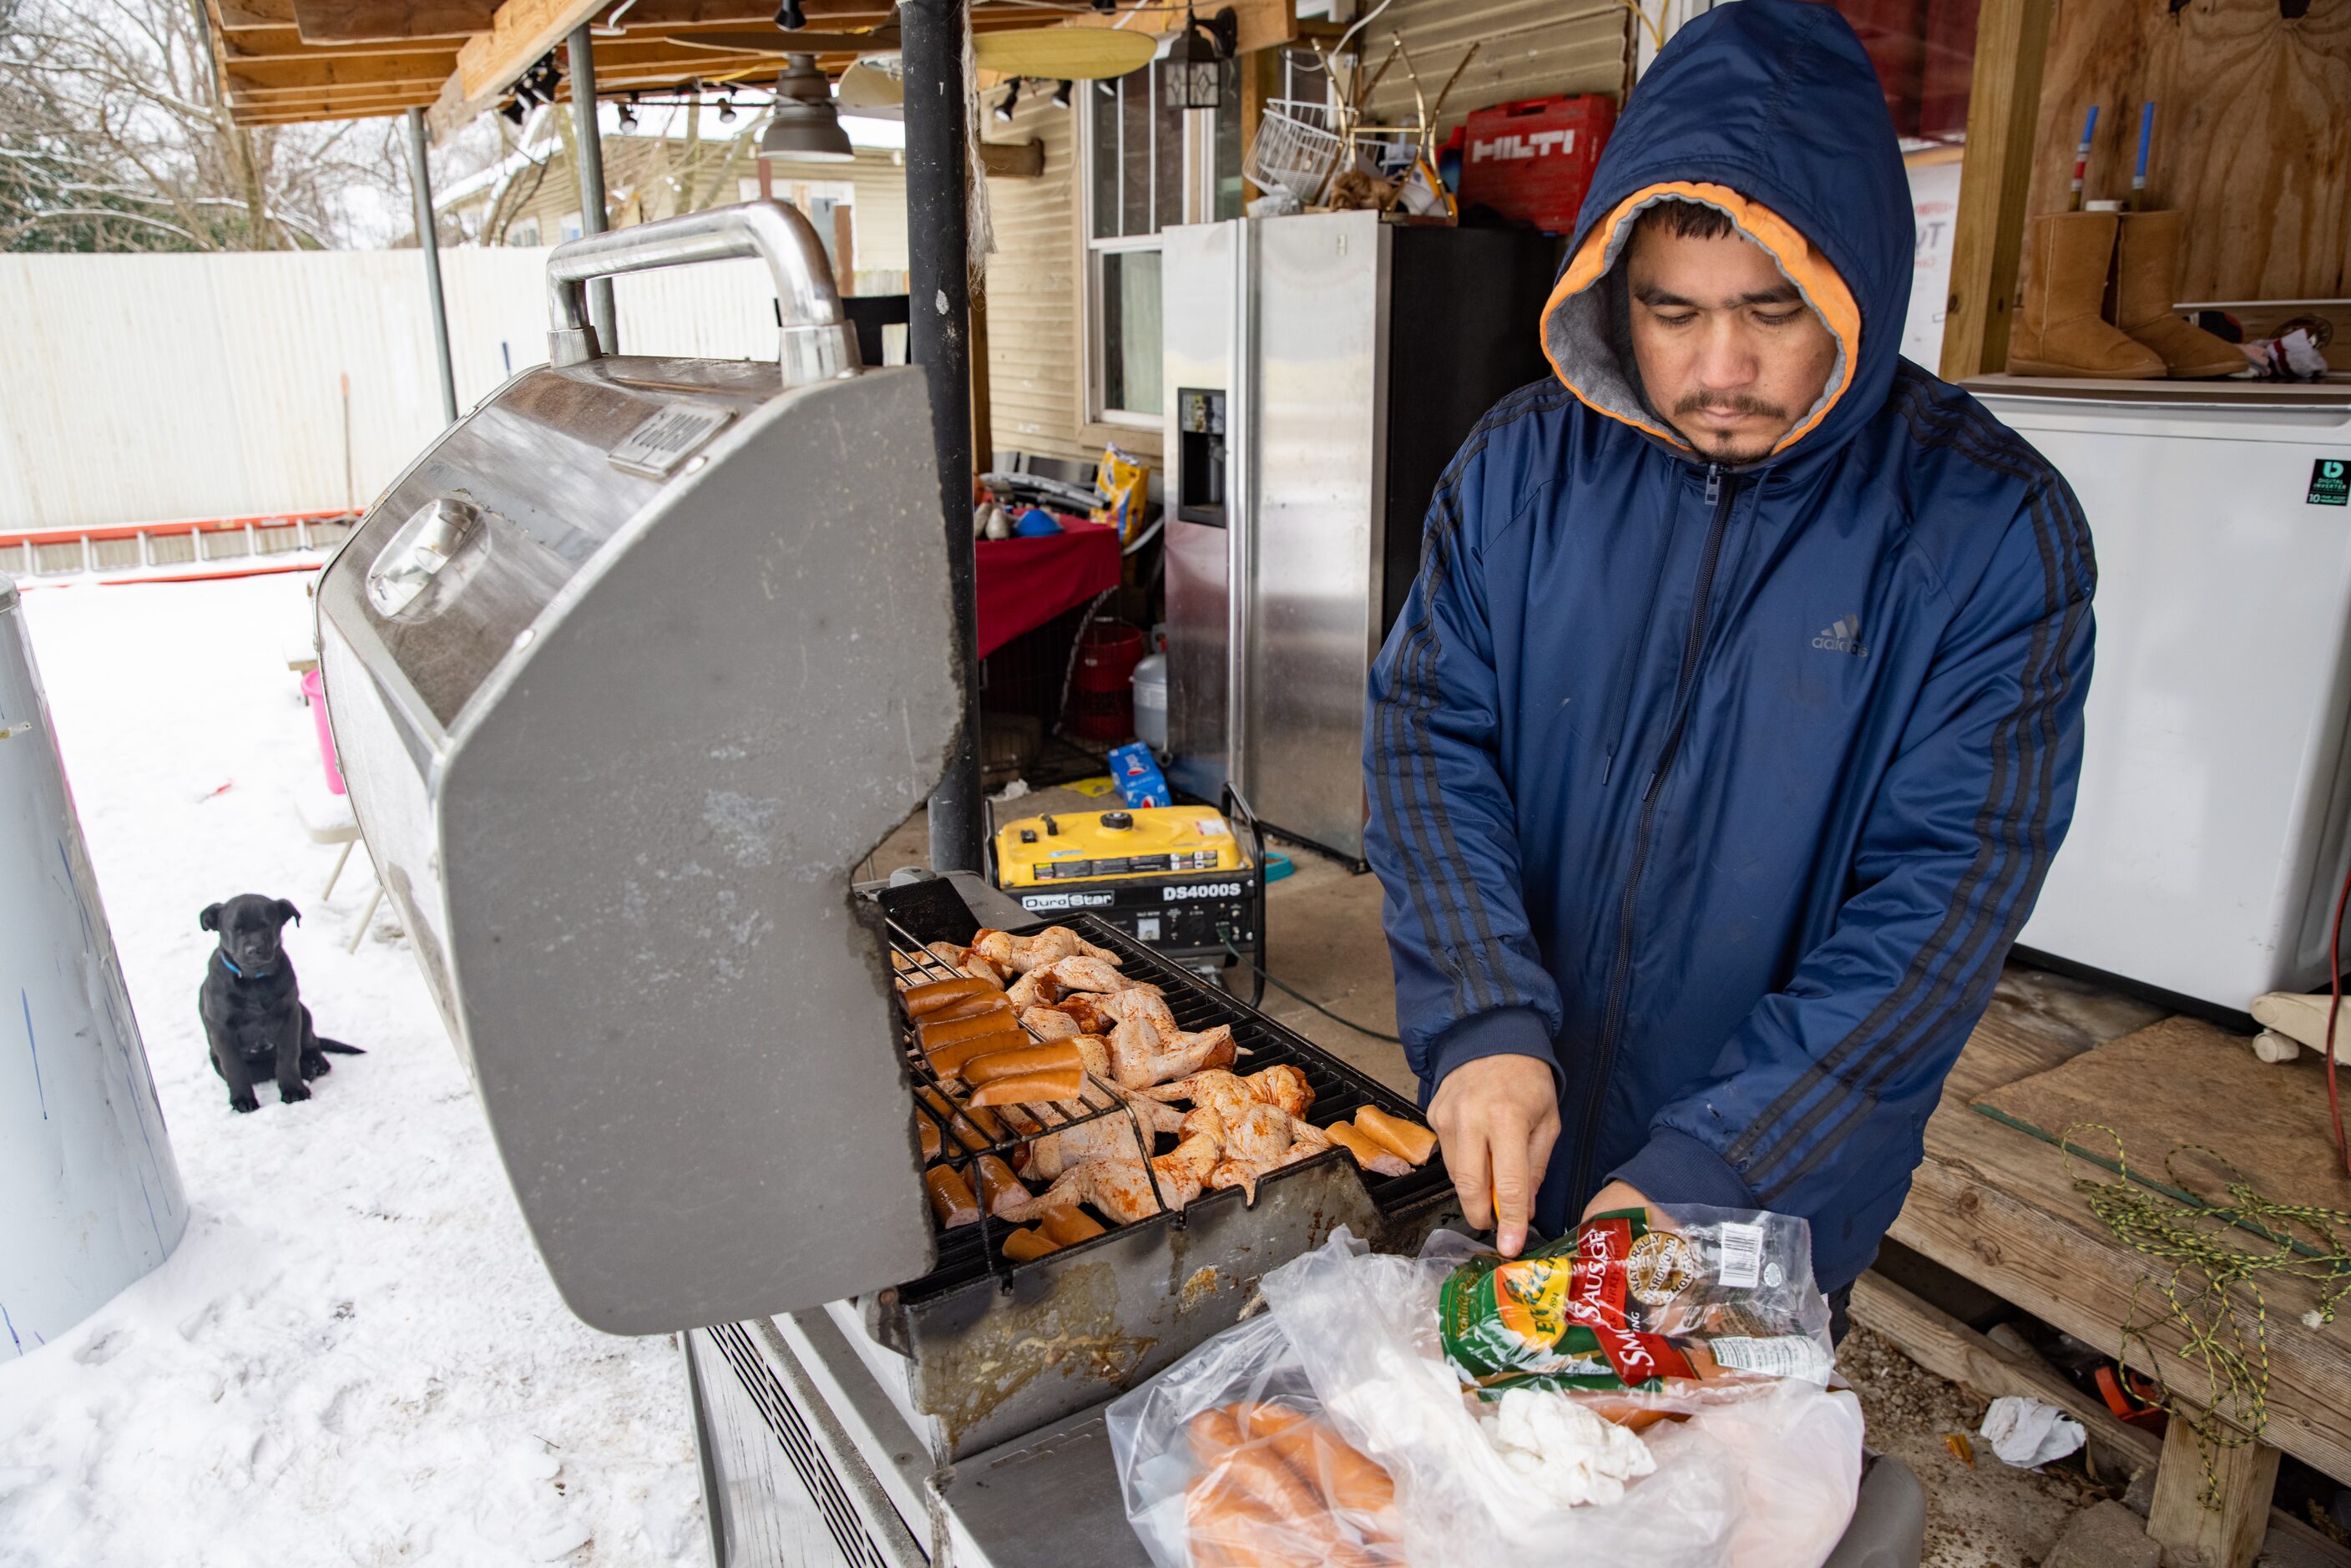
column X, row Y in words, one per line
column 2187, row 1082
column 2001, row 1208
column 2250, row 137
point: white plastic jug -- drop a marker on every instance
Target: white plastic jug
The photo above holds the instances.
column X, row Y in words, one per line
column 1151, row 701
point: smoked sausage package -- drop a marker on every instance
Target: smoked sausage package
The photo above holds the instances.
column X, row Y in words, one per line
column 1457, row 1410
column 1631, row 1317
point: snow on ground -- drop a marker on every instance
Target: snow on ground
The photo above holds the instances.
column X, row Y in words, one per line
column 355, row 1356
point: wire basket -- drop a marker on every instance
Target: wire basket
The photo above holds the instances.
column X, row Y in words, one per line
column 1291, row 155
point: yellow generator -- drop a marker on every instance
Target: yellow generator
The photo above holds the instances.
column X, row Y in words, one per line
column 1178, row 878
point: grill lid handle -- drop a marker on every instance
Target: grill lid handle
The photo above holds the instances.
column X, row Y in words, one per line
column 815, row 343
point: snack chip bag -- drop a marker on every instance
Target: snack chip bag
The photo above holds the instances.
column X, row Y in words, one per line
column 1122, row 480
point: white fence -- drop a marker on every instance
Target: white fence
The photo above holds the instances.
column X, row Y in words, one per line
column 139, row 389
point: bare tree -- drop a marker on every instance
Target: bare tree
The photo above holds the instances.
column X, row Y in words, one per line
column 114, row 135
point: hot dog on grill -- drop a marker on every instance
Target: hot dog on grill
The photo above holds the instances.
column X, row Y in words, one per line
column 935, row 1033
column 1068, row 1225
column 1026, row 1246
column 986, row 1002
column 1414, row 1143
column 932, row 996
column 963, row 1129
column 951, row 1197
column 1370, row 1153
column 1057, row 1056
column 1032, row 1088
column 949, row 1059
column 996, row 1182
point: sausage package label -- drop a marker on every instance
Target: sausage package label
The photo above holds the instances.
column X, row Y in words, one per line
column 1625, row 1306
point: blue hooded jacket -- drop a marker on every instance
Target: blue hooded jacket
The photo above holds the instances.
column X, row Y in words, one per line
column 1726, row 790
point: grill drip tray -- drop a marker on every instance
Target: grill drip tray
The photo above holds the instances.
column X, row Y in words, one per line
column 987, row 1350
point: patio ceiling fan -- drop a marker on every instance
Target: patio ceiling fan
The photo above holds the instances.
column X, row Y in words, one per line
column 1068, row 54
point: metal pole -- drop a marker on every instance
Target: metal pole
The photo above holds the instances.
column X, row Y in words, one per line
column 428, row 236
column 581, row 58
column 939, row 339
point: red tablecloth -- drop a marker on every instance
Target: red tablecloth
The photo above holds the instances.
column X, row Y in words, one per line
column 1023, row 583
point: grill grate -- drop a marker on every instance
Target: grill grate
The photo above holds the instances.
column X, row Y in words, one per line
column 1020, row 1123
column 971, row 1252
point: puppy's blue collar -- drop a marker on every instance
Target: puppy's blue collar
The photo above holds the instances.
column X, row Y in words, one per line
column 240, row 974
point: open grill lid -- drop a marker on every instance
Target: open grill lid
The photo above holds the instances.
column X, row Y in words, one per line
column 627, row 674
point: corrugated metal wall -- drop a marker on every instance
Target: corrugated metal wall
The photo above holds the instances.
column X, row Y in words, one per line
column 1526, row 48
column 144, row 388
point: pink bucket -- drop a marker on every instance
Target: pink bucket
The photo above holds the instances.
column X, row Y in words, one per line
column 314, row 692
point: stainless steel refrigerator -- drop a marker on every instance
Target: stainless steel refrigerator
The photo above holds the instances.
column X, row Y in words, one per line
column 1318, row 372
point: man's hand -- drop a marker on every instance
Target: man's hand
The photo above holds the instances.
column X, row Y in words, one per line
column 1497, row 1118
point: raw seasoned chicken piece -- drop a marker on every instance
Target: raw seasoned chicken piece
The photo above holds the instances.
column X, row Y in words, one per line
column 1260, row 1136
column 1104, row 953
column 1140, row 1058
column 1247, row 1145
column 1285, row 1086
column 1049, row 1023
column 1121, row 1189
column 1232, row 1172
column 1080, row 972
column 1111, row 1138
column 1086, row 1009
column 1047, row 946
column 965, row 961
column 1159, row 1118
column 997, row 948
column 1139, row 1005
column 1227, row 1092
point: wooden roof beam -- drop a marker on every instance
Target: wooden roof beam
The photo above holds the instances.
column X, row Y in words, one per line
column 414, row 72
column 235, row 15
column 379, row 21
column 285, row 44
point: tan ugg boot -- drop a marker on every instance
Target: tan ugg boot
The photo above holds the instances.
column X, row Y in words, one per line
column 2146, row 272
column 2059, row 332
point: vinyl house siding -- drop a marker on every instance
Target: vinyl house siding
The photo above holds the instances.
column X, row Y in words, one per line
column 1529, row 49
column 1036, row 382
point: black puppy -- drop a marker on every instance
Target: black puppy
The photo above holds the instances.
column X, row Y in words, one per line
column 251, row 1008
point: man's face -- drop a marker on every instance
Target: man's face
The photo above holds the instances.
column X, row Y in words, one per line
column 1729, row 352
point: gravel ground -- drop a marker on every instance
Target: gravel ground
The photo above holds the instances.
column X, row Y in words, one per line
column 1981, row 1516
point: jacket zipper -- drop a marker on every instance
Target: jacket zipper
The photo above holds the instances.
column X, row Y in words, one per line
column 1721, row 492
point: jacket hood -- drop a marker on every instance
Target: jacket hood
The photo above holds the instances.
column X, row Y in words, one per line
column 1770, row 110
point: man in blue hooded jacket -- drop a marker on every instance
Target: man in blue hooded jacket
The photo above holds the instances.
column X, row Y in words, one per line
column 1721, row 749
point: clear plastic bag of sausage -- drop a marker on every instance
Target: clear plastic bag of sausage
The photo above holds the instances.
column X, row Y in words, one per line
column 1334, row 1431
column 1639, row 1318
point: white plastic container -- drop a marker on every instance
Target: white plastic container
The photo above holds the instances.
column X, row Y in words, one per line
column 1151, row 701
column 89, row 1197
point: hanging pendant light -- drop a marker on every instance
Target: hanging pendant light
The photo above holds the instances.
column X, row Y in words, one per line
column 1196, row 62
column 805, row 124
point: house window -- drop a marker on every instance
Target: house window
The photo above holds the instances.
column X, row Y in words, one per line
column 524, row 232
column 1148, row 164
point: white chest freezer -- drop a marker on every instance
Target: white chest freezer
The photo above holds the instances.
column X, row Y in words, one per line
column 2210, row 836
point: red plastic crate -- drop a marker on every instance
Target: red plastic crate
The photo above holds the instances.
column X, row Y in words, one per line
column 1532, row 160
